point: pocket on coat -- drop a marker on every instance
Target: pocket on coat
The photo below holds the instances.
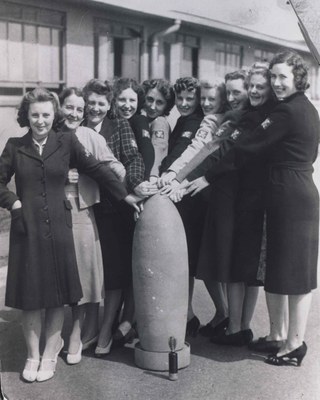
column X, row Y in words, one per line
column 17, row 224
column 67, row 210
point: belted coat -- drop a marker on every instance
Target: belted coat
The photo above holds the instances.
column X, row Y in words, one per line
column 42, row 268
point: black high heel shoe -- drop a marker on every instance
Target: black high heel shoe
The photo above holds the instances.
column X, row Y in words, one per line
column 209, row 330
column 193, row 326
column 294, row 358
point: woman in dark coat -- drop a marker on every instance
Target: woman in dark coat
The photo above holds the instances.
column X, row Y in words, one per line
column 42, row 268
column 288, row 138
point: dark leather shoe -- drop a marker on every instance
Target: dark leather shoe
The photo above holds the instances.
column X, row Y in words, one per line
column 193, row 326
column 119, row 340
column 234, row 339
column 209, row 330
column 247, row 336
column 263, row 345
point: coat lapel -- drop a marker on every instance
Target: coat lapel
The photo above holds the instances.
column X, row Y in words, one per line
column 52, row 145
column 28, row 148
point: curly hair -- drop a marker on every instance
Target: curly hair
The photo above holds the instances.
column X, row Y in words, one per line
column 221, row 89
column 39, row 95
column 99, row 87
column 68, row 92
column 165, row 88
column 187, row 83
column 239, row 74
column 120, row 84
column 299, row 67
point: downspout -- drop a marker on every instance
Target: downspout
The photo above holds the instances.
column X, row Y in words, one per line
column 155, row 38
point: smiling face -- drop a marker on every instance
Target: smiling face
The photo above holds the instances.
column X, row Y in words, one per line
column 127, row 103
column 210, row 100
column 41, row 116
column 186, row 102
column 155, row 103
column 259, row 90
column 73, row 110
column 97, row 108
column 237, row 94
column 282, row 80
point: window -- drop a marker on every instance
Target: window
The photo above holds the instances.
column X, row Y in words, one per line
column 117, row 50
column 31, row 40
column 228, row 58
column 190, row 55
column 263, row 55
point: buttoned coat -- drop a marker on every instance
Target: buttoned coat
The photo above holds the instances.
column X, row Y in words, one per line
column 42, row 268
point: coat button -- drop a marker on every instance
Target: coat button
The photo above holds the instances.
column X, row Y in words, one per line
column 47, row 221
column 45, row 208
column 44, row 194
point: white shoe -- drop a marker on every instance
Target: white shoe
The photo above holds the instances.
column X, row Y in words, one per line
column 100, row 351
column 76, row 357
column 90, row 342
column 30, row 370
column 48, row 366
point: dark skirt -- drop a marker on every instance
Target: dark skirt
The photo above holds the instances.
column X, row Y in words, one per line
column 193, row 211
column 216, row 251
column 292, row 231
column 116, row 229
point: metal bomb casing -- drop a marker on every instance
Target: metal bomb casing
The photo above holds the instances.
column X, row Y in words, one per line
column 160, row 283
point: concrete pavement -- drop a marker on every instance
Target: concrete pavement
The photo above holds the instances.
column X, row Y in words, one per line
column 216, row 372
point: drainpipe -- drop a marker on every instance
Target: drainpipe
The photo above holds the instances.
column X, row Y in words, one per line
column 155, row 38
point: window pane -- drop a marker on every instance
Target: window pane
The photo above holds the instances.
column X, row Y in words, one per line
column 3, row 51
column 105, row 56
column 55, row 55
column 44, row 55
column 15, row 52
column 30, row 53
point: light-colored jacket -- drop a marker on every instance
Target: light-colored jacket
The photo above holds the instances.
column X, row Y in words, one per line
column 88, row 189
column 204, row 135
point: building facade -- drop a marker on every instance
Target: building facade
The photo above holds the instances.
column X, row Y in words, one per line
column 59, row 43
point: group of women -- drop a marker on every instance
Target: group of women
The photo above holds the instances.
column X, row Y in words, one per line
column 238, row 165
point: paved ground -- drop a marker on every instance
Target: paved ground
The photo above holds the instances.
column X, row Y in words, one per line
column 215, row 372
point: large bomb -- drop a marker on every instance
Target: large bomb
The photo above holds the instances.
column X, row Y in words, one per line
column 160, row 282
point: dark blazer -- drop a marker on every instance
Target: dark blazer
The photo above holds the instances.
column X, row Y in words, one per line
column 140, row 126
column 181, row 136
column 42, row 269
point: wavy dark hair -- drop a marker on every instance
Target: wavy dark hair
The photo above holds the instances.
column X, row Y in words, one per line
column 39, row 95
column 165, row 88
column 120, row 84
column 97, row 86
column 188, row 83
column 221, row 89
column 299, row 67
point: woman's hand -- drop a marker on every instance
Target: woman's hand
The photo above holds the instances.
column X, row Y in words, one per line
column 170, row 187
column 166, row 178
column 135, row 202
column 177, row 195
column 197, row 185
column 73, row 175
column 16, row 204
column 146, row 189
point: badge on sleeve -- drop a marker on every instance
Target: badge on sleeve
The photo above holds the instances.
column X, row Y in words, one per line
column 219, row 132
column 159, row 134
column 187, row 134
column 87, row 153
column 145, row 133
column 133, row 143
column 266, row 123
column 235, row 134
column 202, row 133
